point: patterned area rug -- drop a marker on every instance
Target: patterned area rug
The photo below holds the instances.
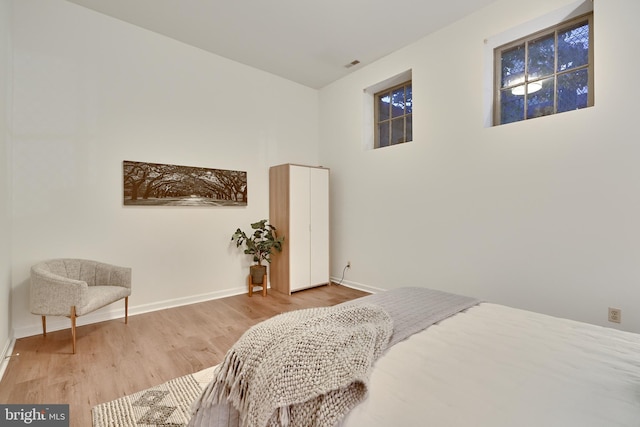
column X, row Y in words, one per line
column 167, row 404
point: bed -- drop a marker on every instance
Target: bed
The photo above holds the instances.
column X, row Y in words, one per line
column 482, row 364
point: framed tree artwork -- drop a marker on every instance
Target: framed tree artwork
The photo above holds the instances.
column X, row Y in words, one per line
column 155, row 184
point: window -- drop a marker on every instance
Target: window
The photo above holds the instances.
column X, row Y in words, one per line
column 546, row 73
column 393, row 115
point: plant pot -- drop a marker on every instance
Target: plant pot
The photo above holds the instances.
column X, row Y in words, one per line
column 257, row 273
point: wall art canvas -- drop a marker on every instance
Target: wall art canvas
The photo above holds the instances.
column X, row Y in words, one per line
column 154, row 184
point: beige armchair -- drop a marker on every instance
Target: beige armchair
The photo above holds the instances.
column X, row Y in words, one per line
column 74, row 287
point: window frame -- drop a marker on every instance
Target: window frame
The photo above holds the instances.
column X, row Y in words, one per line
column 555, row 30
column 376, row 114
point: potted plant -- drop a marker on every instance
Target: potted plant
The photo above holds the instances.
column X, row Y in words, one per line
column 260, row 243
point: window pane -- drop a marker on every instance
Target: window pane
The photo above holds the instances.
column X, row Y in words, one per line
column 540, row 103
column 511, row 107
column 409, row 124
column 573, row 90
column 573, row 47
column 397, row 130
column 383, row 107
column 397, row 102
column 545, row 73
column 541, row 57
column 394, row 105
column 512, row 63
column 383, row 133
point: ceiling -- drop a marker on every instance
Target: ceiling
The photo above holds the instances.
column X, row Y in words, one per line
column 306, row 41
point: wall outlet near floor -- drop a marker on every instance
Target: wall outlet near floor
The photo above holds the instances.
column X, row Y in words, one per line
column 615, row 315
column 348, row 264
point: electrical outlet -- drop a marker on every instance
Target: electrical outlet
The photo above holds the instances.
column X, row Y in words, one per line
column 615, row 315
column 348, row 264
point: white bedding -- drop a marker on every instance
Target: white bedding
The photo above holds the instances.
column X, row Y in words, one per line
column 495, row 366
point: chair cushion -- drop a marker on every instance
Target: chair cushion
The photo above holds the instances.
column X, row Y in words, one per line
column 99, row 296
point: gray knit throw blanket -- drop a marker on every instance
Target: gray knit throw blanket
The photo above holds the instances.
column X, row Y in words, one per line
column 301, row 368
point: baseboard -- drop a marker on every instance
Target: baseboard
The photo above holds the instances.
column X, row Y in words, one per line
column 356, row 285
column 116, row 311
column 5, row 355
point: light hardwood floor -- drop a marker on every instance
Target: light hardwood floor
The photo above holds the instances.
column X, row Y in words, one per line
column 114, row 359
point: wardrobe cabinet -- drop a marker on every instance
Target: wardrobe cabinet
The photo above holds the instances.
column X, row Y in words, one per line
column 299, row 209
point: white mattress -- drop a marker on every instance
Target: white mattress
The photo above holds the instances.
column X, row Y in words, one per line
column 495, row 366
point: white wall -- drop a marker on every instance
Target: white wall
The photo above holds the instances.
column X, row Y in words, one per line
column 5, row 179
column 539, row 215
column 91, row 91
column 542, row 215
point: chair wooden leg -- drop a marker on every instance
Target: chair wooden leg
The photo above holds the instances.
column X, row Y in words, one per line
column 44, row 326
column 126, row 310
column 250, row 283
column 73, row 327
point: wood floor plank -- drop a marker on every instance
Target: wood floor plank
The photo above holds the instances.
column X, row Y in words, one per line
column 114, row 359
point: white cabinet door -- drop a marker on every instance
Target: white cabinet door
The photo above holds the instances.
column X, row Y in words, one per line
column 299, row 234
column 319, row 226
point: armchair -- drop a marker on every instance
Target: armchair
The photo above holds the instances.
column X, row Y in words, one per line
column 74, row 287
